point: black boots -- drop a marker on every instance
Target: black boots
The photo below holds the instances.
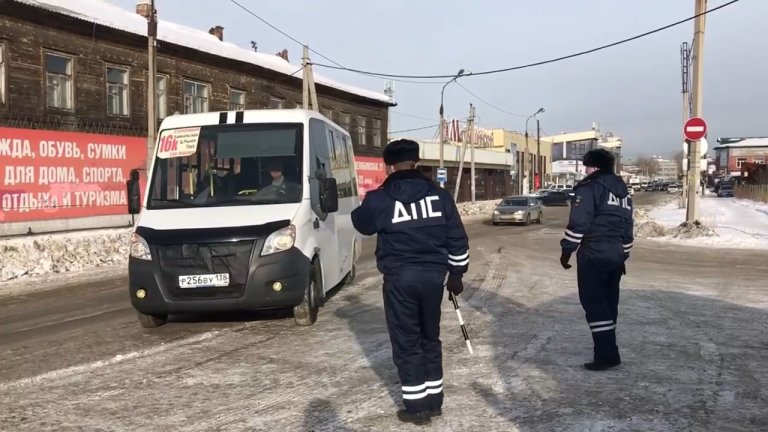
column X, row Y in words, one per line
column 418, row 418
column 601, row 365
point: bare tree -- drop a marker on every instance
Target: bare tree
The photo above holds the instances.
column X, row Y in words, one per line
column 678, row 158
column 648, row 166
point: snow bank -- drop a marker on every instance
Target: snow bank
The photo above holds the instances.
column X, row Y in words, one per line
column 478, row 208
column 109, row 15
column 27, row 257
column 723, row 222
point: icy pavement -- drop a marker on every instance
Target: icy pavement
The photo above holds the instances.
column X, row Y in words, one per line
column 692, row 337
column 736, row 223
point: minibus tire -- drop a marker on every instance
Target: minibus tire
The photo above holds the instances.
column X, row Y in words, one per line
column 351, row 275
column 305, row 313
column 152, row 321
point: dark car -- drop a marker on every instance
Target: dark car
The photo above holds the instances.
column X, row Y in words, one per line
column 725, row 191
column 555, row 198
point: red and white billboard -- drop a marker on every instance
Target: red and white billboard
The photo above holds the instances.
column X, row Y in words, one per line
column 371, row 173
column 62, row 175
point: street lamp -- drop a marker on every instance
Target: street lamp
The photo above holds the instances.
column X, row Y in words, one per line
column 525, row 162
column 442, row 138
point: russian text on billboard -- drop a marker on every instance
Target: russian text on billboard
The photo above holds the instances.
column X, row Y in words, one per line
column 63, row 175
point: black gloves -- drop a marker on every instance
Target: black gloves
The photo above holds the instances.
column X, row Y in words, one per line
column 564, row 258
column 455, row 285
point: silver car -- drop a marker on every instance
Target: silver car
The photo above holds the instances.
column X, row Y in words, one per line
column 518, row 209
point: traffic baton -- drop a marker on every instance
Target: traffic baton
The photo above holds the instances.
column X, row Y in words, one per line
column 461, row 322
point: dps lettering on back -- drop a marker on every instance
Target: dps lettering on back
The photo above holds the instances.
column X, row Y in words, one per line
column 422, row 210
column 615, row 201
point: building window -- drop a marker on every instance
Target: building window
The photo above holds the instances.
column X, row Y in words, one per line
column 2, row 72
column 195, row 97
column 58, row 81
column 740, row 162
column 275, row 103
column 327, row 113
column 376, row 133
column 162, row 96
column 361, row 130
column 759, row 160
column 117, row 91
column 344, row 121
column 236, row 100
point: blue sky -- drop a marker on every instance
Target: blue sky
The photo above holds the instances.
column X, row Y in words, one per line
column 632, row 90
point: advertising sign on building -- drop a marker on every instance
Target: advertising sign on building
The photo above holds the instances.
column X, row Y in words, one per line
column 371, row 173
column 61, row 175
column 572, row 150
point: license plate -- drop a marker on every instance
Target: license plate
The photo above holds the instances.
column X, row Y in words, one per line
column 204, row 281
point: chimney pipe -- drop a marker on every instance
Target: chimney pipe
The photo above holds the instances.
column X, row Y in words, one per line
column 284, row 55
column 143, row 8
column 217, row 31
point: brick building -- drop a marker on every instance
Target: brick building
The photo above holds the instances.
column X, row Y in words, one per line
column 732, row 153
column 73, row 83
column 89, row 74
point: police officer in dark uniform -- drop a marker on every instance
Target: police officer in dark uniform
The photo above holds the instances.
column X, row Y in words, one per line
column 420, row 238
column 600, row 227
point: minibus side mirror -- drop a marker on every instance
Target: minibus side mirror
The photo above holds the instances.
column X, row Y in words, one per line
column 329, row 196
column 134, row 193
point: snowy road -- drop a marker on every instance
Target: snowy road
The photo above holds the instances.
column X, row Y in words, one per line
column 692, row 330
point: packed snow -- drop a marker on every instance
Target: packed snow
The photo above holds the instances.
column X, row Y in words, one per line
column 724, row 223
column 109, row 15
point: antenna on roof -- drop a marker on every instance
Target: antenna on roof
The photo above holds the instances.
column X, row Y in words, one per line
column 389, row 90
column 255, row 46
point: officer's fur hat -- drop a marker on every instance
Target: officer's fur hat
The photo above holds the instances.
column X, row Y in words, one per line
column 402, row 150
column 601, row 159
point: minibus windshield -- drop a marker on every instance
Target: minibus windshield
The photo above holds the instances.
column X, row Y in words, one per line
column 227, row 165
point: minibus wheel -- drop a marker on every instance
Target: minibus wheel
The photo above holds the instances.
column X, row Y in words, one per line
column 305, row 313
column 152, row 321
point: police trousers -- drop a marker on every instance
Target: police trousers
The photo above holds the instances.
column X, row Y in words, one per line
column 412, row 301
column 599, row 271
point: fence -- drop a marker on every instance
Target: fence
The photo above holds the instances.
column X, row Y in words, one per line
column 753, row 192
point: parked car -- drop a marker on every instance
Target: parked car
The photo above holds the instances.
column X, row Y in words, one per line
column 672, row 189
column 555, row 198
column 725, row 191
column 518, row 209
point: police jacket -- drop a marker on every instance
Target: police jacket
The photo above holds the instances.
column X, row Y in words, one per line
column 417, row 225
column 601, row 212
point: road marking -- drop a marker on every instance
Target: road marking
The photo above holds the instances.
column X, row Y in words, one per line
column 88, row 367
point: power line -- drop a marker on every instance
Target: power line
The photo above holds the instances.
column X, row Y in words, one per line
column 338, row 65
column 409, row 115
column 490, row 104
column 415, row 129
column 530, row 65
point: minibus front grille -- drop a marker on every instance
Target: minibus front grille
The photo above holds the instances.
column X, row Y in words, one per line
column 233, row 258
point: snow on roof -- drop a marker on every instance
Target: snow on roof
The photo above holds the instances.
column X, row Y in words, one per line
column 109, row 15
column 742, row 142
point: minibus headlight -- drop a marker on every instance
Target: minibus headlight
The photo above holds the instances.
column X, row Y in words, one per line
column 140, row 248
column 279, row 241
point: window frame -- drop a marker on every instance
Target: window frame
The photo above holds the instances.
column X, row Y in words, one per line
column 127, row 87
column 195, row 96
column 740, row 161
column 164, row 102
column 377, row 132
column 280, row 102
column 243, row 96
column 71, row 83
column 362, row 130
column 3, row 71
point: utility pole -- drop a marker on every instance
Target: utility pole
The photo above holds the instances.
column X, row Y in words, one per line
column 692, row 213
column 151, row 84
column 309, row 93
column 466, row 141
column 472, row 143
column 537, row 169
column 685, row 62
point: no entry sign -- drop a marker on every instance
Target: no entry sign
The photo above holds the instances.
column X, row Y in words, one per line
column 695, row 129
